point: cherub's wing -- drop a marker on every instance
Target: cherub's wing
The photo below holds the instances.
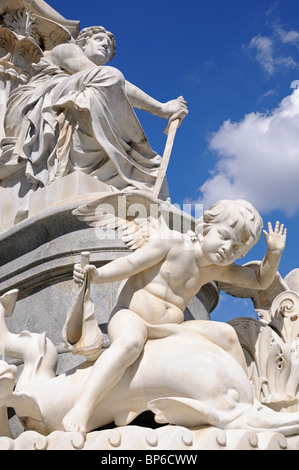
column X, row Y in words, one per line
column 139, row 216
column 262, row 299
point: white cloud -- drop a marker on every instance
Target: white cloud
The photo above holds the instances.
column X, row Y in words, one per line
column 287, row 36
column 263, row 48
column 270, row 93
column 272, row 9
column 258, row 160
column 264, row 52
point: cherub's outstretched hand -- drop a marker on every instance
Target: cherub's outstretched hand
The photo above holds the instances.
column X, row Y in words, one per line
column 276, row 239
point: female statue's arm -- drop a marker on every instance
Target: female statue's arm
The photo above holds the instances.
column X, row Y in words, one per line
column 140, row 100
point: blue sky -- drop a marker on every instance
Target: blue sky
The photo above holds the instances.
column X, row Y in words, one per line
column 235, row 62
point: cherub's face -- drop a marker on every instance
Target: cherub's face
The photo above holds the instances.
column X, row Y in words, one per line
column 99, row 49
column 7, row 378
column 221, row 245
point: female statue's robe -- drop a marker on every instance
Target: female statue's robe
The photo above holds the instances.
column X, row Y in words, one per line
column 59, row 123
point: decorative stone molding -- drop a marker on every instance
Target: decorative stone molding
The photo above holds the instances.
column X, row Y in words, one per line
column 18, row 54
column 25, row 37
column 271, row 350
column 37, row 21
column 164, row 438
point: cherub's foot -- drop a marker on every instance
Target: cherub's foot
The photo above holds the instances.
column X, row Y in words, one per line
column 75, row 421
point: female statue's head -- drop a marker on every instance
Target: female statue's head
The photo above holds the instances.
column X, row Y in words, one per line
column 97, row 43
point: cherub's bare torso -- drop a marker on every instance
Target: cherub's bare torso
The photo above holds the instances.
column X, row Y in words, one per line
column 161, row 293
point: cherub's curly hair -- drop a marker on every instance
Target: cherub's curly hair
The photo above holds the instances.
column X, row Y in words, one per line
column 238, row 214
column 87, row 33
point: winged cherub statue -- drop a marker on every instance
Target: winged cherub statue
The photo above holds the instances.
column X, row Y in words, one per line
column 162, row 273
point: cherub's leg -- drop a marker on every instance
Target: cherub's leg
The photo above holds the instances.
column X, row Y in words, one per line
column 128, row 334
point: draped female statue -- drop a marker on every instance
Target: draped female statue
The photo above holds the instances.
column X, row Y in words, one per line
column 76, row 113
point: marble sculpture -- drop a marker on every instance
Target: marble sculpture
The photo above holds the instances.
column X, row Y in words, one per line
column 71, row 113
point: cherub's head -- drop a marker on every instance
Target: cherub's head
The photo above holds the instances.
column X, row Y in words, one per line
column 97, row 43
column 228, row 230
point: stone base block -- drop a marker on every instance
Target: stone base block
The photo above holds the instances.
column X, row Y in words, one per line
column 18, row 202
column 165, row 438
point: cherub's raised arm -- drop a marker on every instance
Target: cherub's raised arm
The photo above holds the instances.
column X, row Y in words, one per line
column 122, row 268
column 263, row 277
